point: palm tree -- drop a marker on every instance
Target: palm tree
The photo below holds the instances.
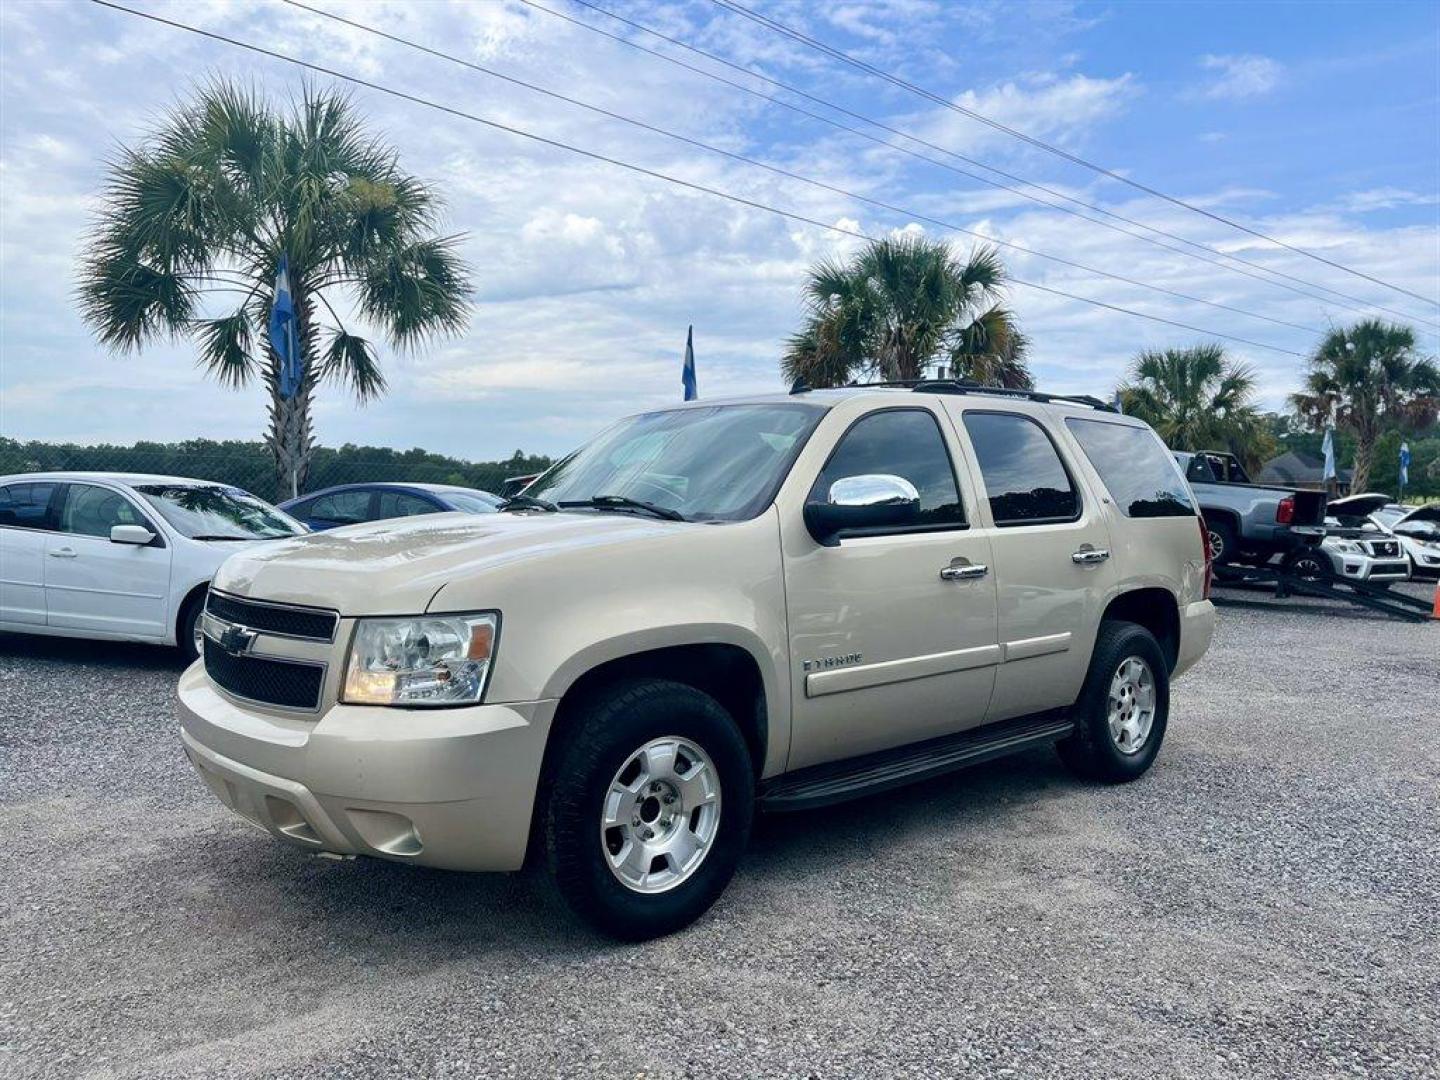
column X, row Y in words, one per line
column 894, row 307
column 205, row 208
column 1198, row 399
column 1367, row 377
column 992, row 351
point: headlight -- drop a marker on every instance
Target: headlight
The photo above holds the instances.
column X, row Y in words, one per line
column 1348, row 546
column 433, row 660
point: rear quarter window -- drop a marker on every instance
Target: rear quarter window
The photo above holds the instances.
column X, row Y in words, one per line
column 1135, row 467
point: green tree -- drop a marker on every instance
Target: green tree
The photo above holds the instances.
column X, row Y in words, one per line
column 1198, row 399
column 205, row 207
column 1367, row 378
column 895, row 307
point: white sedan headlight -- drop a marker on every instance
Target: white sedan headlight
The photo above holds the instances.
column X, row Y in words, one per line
column 430, row 660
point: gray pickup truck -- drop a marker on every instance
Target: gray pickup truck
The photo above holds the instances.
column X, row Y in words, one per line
column 1250, row 523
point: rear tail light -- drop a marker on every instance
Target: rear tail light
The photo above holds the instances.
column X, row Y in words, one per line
column 1209, row 559
column 1285, row 511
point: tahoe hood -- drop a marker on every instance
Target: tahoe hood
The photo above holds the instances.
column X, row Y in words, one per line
column 396, row 567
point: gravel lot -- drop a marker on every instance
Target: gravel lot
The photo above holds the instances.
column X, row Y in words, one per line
column 1265, row 902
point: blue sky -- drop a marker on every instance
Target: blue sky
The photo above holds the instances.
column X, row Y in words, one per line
column 1316, row 123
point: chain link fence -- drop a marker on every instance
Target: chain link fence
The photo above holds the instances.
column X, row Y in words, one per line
column 248, row 465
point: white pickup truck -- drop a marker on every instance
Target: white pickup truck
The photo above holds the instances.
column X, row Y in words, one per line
column 780, row 601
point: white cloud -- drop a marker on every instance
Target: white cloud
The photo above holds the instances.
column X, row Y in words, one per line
column 1064, row 110
column 1239, row 77
column 1386, row 198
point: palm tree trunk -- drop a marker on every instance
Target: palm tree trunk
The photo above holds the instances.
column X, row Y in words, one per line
column 290, row 436
column 1365, row 438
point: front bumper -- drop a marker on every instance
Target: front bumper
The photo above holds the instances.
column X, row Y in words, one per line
column 1197, row 627
column 451, row 788
column 1370, row 568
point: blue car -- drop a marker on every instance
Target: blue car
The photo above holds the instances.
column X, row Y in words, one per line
column 350, row 504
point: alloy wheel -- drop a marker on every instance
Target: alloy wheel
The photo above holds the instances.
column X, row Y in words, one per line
column 661, row 815
column 1132, row 705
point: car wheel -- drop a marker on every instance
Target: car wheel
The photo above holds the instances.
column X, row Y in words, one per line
column 1309, row 564
column 1224, row 544
column 647, row 809
column 1123, row 708
column 187, row 630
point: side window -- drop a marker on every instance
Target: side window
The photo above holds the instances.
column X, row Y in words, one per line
column 345, row 507
column 1199, row 470
column 94, row 511
column 1140, row 475
column 900, row 442
column 27, row 506
column 1024, row 477
column 399, row 504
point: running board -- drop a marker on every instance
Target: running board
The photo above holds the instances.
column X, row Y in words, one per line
column 837, row 781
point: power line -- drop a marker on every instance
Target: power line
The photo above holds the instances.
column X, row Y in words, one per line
column 1365, row 305
column 642, row 170
column 846, row 58
column 776, row 170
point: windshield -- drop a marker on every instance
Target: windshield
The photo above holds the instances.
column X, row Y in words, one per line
column 717, row 463
column 471, row 502
column 218, row 513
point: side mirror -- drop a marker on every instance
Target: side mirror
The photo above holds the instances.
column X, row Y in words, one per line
column 130, row 534
column 863, row 503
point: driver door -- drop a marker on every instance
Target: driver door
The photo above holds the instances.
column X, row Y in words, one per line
column 92, row 583
column 885, row 650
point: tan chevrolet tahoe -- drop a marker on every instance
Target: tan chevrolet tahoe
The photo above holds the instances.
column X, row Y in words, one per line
column 780, row 601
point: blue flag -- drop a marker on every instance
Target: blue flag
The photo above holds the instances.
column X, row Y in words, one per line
column 1404, row 465
column 687, row 373
column 1328, row 447
column 283, row 337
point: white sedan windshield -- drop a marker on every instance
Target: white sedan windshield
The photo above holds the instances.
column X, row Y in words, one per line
column 218, row 513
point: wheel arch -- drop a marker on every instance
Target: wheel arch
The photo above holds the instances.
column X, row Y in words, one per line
column 727, row 671
column 1156, row 609
column 194, row 593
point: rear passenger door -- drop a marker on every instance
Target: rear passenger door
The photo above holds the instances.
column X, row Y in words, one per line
column 25, row 521
column 1052, row 557
column 394, row 504
column 341, row 508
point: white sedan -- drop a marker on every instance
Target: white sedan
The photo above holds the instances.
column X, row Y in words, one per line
column 1417, row 528
column 120, row 556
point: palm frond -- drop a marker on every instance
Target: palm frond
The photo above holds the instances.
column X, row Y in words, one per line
column 227, row 348
column 417, row 291
column 351, row 362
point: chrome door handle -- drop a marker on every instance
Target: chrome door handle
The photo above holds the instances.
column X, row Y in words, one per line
column 963, row 572
column 62, row 553
column 1089, row 556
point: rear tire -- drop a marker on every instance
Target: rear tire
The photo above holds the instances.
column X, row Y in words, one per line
column 1123, row 708
column 647, row 808
column 1224, row 543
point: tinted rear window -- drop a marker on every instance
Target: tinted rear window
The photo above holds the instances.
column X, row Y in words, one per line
column 1137, row 469
column 1024, row 478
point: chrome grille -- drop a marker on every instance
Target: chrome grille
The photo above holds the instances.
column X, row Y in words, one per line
column 285, row 620
column 268, row 680
column 1388, row 549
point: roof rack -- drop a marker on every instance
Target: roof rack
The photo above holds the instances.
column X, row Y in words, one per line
column 956, row 386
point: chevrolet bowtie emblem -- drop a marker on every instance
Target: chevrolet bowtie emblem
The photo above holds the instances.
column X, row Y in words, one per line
column 237, row 639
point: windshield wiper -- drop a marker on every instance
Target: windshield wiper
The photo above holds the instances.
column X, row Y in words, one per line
column 527, row 502
column 217, row 536
column 624, row 502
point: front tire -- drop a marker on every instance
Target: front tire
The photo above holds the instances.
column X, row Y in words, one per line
column 648, row 808
column 1123, row 708
column 187, row 629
